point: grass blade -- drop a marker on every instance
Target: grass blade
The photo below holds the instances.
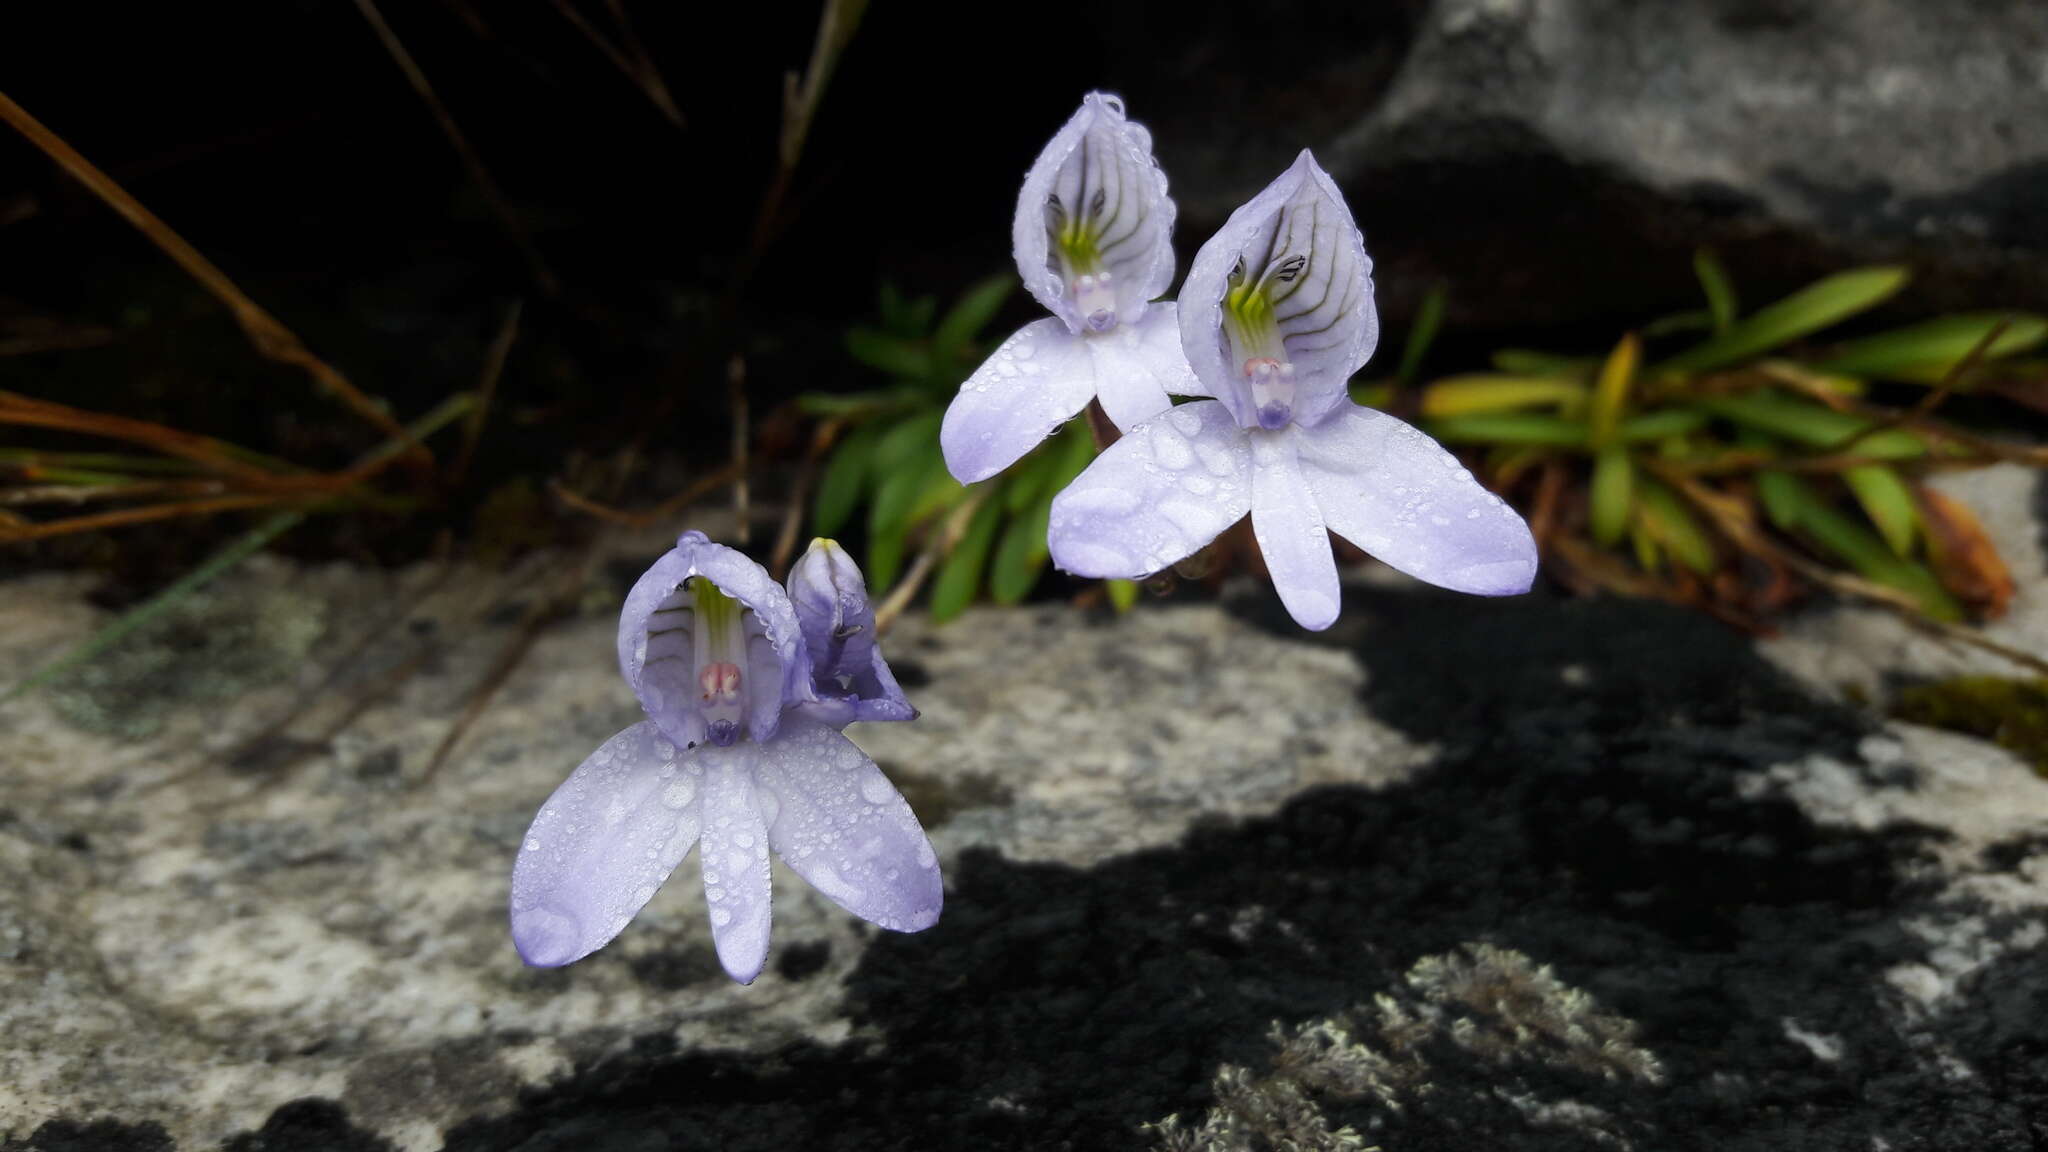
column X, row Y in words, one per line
column 1610, row 494
column 1806, row 311
column 1428, row 318
column 960, row 576
column 1719, row 290
column 1927, row 351
column 1888, row 502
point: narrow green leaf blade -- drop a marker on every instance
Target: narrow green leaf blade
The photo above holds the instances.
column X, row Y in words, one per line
column 1722, row 306
column 1509, row 428
column 1123, row 594
column 895, row 355
column 1667, row 518
column 1888, row 502
column 1428, row 318
column 1811, row 425
column 845, row 478
column 1609, row 495
column 970, row 314
column 1485, row 392
column 1927, row 350
column 1806, row 311
column 960, row 575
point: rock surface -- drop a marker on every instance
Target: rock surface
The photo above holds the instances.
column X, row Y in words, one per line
column 1557, row 160
column 1529, row 874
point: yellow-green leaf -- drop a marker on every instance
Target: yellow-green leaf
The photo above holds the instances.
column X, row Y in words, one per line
column 1661, row 425
column 1720, row 291
column 1888, row 502
column 1780, row 493
column 1020, row 554
column 1666, row 517
column 1428, row 318
column 1611, row 389
column 1528, row 362
column 1481, row 393
column 1806, row 311
column 1609, row 495
column 1509, row 428
column 1868, row 555
column 1927, row 351
column 1123, row 594
column 1811, row 424
column 846, row 476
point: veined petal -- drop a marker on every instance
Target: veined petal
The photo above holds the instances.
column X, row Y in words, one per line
column 1155, row 496
column 1290, row 530
column 1399, row 495
column 848, row 674
column 1094, row 228
column 737, row 886
column 602, row 844
column 1277, row 311
column 658, row 640
column 1034, row 383
column 1138, row 366
column 842, row 826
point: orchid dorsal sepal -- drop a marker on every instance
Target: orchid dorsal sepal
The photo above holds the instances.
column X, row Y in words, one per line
column 1093, row 240
column 734, row 754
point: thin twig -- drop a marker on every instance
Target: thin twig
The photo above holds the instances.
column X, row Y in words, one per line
column 14, row 534
column 800, row 496
column 486, row 390
column 493, row 195
column 641, row 518
column 632, row 60
column 271, row 338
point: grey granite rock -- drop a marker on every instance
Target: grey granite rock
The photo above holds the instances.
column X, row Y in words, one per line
column 1536, row 873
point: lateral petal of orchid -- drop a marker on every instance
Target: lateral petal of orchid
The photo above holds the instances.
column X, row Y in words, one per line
column 1094, row 205
column 655, row 635
column 1286, row 281
column 737, row 886
column 1138, row 366
column 602, row 844
column 842, row 826
column 1393, row 491
column 1035, row 382
column 1290, row 531
column 1156, row 496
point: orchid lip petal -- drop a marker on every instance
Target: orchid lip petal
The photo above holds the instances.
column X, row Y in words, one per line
column 738, row 893
column 846, row 830
column 1388, row 488
column 1093, row 233
column 1290, row 532
column 1277, row 311
column 1156, row 496
column 600, row 846
column 1036, row 381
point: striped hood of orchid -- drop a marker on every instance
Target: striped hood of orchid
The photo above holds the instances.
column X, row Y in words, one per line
column 1093, row 240
column 734, row 754
column 849, row 678
column 1276, row 315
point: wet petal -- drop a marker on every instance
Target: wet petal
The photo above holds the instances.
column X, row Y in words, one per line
column 602, row 844
column 1285, row 283
column 655, row 639
column 1399, row 495
column 842, row 826
column 737, row 887
column 1155, row 496
column 1138, row 365
column 1290, row 531
column 1094, row 205
column 1035, row 382
column 848, row 674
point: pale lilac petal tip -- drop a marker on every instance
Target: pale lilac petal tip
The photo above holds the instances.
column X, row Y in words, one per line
column 844, row 828
column 1290, row 531
column 602, row 844
column 1036, row 381
column 737, row 889
column 1167, row 488
column 1390, row 489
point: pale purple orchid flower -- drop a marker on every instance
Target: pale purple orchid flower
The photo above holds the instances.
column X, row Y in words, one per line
column 1093, row 239
column 732, row 755
column 848, row 675
column 1276, row 315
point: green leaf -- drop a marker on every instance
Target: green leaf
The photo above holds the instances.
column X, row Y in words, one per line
column 1927, row 351
column 895, row 355
column 960, row 576
column 1811, row 424
column 1864, row 552
column 1666, row 517
column 1020, row 554
column 895, row 314
column 917, row 315
column 970, row 314
column 1806, row 311
column 1509, row 428
column 844, row 479
column 1123, row 594
column 1525, row 362
column 1372, row 394
column 900, row 487
column 1722, row 307
column 1697, row 320
column 1779, row 492
column 1481, row 393
column 1428, row 318
column 1661, row 425
column 1026, row 479
column 1611, row 390
column 1609, row 495
column 1077, row 451
column 1888, row 502
column 906, row 439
